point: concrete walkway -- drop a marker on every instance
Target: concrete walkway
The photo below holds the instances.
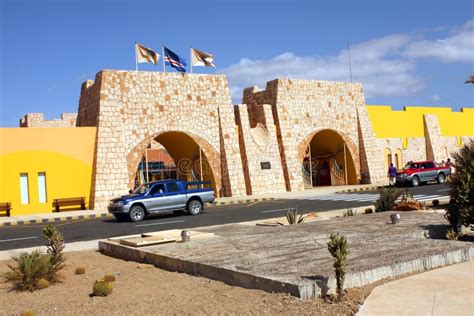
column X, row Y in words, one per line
column 444, row 291
column 79, row 215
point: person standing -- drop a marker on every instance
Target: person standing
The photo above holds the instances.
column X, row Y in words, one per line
column 392, row 175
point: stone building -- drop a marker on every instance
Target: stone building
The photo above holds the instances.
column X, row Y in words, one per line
column 37, row 120
column 292, row 135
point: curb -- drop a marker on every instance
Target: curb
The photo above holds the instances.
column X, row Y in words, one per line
column 214, row 204
column 362, row 189
column 53, row 220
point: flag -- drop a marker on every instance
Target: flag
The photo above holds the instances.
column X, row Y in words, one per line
column 173, row 60
column 146, row 55
column 199, row 58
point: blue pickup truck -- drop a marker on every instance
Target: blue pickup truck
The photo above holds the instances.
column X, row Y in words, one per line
column 162, row 196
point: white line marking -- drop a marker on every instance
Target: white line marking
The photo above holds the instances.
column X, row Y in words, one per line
column 161, row 223
column 15, row 239
column 279, row 210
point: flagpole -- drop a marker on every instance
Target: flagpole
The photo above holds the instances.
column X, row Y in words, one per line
column 163, row 52
column 136, row 57
column 191, row 58
column 349, row 57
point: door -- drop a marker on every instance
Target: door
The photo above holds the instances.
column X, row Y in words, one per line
column 176, row 200
column 428, row 173
column 156, row 200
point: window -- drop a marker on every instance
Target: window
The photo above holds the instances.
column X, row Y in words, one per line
column 157, row 189
column 42, row 187
column 25, row 196
column 172, row 187
column 428, row 165
column 396, row 161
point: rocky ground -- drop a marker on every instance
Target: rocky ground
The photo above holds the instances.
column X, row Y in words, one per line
column 143, row 289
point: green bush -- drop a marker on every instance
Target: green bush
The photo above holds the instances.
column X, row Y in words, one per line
column 102, row 288
column 55, row 246
column 30, row 267
column 109, row 278
column 337, row 246
column 386, row 200
column 42, row 284
column 292, row 216
column 349, row 212
column 461, row 208
column 80, row 270
column 368, row 211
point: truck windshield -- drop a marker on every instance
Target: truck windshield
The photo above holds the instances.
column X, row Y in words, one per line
column 411, row 165
column 143, row 188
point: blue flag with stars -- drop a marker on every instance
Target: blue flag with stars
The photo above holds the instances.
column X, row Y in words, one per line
column 173, row 60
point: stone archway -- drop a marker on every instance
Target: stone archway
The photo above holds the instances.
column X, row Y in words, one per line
column 184, row 149
column 328, row 158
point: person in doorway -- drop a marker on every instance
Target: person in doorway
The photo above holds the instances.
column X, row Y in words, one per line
column 392, row 175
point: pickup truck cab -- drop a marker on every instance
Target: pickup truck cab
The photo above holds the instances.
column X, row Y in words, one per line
column 416, row 173
column 162, row 196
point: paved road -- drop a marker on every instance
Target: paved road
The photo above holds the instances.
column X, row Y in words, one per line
column 30, row 235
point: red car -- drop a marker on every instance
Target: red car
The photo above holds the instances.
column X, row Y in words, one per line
column 416, row 173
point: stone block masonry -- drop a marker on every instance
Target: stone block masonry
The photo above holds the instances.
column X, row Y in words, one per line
column 258, row 147
column 37, row 120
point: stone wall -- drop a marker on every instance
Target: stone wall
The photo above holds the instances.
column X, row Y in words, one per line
column 301, row 108
column 259, row 150
column 37, row 120
column 131, row 109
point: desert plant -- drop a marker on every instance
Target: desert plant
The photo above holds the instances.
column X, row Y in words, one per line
column 292, row 216
column 349, row 212
column 102, row 288
column 27, row 312
column 337, row 246
column 55, row 246
column 80, row 270
column 452, row 235
column 109, row 278
column 30, row 267
column 461, row 207
column 42, row 284
column 368, row 210
column 387, row 199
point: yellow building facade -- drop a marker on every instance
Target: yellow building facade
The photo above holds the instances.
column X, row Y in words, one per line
column 38, row 165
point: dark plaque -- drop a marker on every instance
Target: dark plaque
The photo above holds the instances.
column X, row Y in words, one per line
column 266, row 165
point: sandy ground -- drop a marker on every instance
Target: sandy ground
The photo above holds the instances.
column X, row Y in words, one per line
column 141, row 289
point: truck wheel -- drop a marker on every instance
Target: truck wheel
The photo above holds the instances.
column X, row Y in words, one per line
column 441, row 178
column 415, row 181
column 194, row 207
column 137, row 213
column 120, row 217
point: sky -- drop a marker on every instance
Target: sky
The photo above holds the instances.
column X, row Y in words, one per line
column 409, row 52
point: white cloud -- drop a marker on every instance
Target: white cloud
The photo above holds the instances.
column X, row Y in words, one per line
column 435, row 98
column 374, row 63
column 457, row 47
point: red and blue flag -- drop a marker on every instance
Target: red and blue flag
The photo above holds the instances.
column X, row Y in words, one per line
column 173, row 60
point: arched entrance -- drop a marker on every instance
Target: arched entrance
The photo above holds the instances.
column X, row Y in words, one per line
column 189, row 156
column 328, row 160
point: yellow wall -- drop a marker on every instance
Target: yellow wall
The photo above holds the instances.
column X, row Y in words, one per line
column 409, row 123
column 64, row 154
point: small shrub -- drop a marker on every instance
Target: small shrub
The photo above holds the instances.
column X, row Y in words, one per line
column 55, row 246
column 453, row 217
column 349, row 212
column 292, row 216
column 80, row 270
column 30, row 267
column 452, row 235
column 42, row 284
column 109, row 278
column 337, row 246
column 387, row 199
column 435, row 203
column 461, row 183
column 368, row 211
column 102, row 288
column 27, row 312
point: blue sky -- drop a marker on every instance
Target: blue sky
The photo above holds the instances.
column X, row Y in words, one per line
column 404, row 52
